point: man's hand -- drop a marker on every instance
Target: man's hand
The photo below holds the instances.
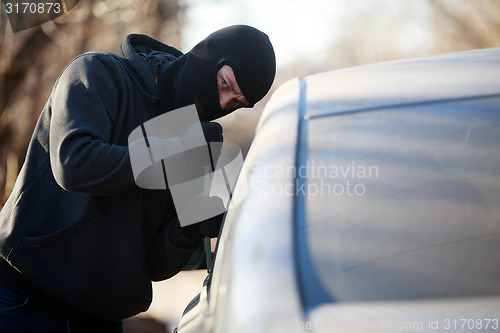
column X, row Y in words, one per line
column 212, row 131
column 214, row 138
column 208, row 228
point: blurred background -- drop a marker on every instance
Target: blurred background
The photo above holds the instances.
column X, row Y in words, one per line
column 309, row 36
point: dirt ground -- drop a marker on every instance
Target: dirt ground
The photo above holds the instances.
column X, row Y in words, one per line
column 145, row 325
column 170, row 298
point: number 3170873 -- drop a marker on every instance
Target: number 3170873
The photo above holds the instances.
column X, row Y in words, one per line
column 33, row 8
column 471, row 324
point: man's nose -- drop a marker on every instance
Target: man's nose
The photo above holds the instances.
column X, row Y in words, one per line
column 225, row 100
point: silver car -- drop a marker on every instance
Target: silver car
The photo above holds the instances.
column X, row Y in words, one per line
column 372, row 203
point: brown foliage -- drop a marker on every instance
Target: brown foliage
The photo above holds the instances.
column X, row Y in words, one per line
column 466, row 24
column 31, row 60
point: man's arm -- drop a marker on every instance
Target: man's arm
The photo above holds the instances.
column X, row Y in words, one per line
column 175, row 245
column 85, row 102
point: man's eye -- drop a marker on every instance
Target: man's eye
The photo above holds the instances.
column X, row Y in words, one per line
column 224, row 83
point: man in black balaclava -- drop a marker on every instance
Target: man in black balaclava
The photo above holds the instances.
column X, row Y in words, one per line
column 80, row 242
column 243, row 53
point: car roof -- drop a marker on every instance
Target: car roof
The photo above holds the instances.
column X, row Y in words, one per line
column 433, row 79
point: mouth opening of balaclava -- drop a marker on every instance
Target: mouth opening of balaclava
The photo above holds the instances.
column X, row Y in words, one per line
column 192, row 79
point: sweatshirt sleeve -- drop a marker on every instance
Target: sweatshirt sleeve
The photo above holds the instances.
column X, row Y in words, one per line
column 84, row 103
column 170, row 252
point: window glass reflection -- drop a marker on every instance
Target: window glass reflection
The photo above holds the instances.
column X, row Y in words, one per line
column 404, row 203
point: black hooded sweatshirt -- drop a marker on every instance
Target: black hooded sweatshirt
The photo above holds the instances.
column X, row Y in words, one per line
column 77, row 234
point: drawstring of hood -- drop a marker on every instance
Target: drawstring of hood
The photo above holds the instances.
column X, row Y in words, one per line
column 142, row 57
column 155, row 59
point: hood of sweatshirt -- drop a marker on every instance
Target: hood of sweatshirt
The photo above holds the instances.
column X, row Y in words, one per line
column 142, row 56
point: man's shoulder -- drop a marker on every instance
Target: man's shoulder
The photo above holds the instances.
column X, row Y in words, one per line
column 93, row 64
column 96, row 59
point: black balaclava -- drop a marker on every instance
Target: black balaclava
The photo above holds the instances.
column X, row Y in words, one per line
column 193, row 77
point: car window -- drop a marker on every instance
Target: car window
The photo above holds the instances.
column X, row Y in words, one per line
column 401, row 203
